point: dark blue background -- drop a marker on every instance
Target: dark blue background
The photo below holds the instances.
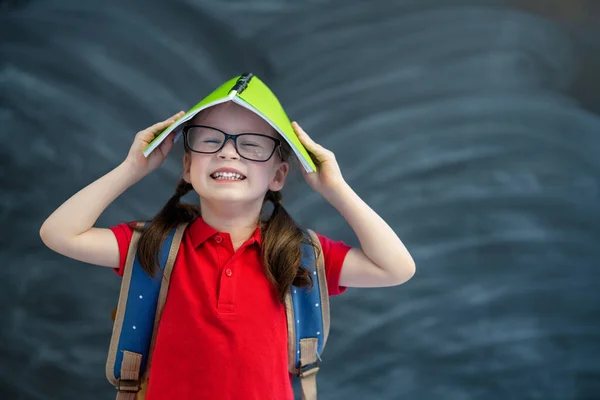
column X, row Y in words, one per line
column 472, row 127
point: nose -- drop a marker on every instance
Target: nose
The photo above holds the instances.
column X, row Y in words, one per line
column 228, row 151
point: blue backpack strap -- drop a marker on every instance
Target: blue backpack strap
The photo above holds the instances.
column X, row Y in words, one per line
column 307, row 312
column 141, row 301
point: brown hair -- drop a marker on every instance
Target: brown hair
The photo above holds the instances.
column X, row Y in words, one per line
column 281, row 237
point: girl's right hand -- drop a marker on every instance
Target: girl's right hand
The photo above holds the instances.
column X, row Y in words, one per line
column 136, row 159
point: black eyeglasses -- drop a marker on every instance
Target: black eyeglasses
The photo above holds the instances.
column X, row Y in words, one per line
column 209, row 140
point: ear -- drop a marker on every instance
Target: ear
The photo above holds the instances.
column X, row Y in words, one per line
column 187, row 164
column 279, row 178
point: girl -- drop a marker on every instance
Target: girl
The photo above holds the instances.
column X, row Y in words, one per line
column 222, row 334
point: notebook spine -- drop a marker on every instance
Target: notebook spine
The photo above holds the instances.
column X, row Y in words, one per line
column 241, row 84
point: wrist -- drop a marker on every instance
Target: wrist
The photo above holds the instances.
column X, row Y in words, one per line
column 337, row 192
column 130, row 172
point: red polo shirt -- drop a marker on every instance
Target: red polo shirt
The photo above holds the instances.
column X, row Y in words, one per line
column 223, row 332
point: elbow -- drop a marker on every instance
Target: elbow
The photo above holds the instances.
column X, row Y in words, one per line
column 412, row 269
column 49, row 237
column 45, row 235
column 405, row 273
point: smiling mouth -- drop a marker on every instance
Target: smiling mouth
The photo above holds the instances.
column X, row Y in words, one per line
column 227, row 176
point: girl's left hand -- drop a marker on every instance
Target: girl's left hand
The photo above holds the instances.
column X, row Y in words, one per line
column 328, row 175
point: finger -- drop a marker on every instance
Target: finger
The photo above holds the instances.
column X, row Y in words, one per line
column 166, row 146
column 310, row 144
column 158, row 127
column 169, row 120
column 302, row 135
column 304, row 172
column 176, row 115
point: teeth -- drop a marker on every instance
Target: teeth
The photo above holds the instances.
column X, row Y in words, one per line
column 227, row 175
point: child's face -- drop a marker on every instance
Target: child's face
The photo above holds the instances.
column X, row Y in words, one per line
column 258, row 176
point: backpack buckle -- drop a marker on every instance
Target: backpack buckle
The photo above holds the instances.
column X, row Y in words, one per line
column 308, row 369
column 129, row 385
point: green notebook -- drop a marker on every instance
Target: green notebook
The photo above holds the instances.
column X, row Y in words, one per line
column 250, row 92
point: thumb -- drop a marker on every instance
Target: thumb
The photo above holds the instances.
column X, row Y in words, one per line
column 166, row 146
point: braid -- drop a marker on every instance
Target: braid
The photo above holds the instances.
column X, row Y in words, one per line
column 182, row 189
column 181, row 212
column 281, row 250
column 172, row 214
column 275, row 198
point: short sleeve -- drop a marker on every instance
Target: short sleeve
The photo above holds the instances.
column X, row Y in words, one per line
column 334, row 254
column 123, row 232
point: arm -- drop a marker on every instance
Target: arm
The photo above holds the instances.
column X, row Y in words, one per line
column 69, row 229
column 382, row 260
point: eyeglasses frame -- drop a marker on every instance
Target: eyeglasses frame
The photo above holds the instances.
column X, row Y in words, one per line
column 227, row 137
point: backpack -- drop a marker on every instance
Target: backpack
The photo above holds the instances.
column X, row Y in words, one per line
column 142, row 299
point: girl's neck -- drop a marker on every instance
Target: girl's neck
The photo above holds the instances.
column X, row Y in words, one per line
column 239, row 222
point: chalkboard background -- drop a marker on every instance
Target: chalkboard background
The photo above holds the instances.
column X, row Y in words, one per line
column 473, row 127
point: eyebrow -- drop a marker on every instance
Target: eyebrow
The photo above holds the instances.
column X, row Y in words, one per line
column 270, row 131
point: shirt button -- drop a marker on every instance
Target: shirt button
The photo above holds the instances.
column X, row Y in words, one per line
column 218, row 239
column 228, row 272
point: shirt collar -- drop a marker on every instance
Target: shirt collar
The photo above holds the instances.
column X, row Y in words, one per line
column 200, row 232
